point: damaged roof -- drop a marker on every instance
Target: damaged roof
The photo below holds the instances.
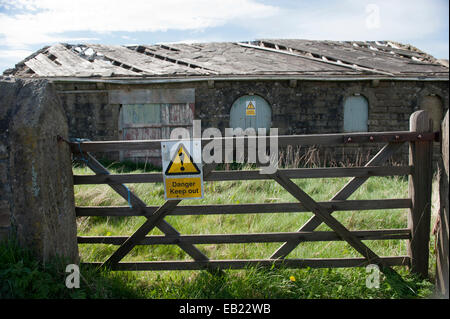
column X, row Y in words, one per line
column 266, row 57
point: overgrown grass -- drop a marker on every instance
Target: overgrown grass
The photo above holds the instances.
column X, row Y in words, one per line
column 23, row 276
column 252, row 282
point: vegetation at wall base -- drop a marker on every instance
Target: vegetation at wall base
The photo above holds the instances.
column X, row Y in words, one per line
column 23, row 276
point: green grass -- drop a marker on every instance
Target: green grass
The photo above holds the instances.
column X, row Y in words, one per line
column 252, row 282
column 23, row 276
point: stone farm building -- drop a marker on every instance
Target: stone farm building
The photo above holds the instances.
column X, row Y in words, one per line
column 298, row 86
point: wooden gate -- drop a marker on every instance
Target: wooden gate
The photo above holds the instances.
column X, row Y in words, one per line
column 420, row 138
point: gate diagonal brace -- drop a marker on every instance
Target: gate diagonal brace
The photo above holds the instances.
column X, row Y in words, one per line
column 343, row 194
column 156, row 220
column 335, row 225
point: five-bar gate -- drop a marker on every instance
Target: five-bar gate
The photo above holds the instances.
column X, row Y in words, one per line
column 420, row 139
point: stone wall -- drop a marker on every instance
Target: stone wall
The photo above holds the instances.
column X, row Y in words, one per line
column 301, row 107
column 317, row 106
column 36, row 184
column 90, row 115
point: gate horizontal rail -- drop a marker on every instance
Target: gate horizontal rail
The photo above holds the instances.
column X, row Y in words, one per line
column 283, row 140
column 382, row 234
column 240, row 264
column 329, row 172
column 214, row 209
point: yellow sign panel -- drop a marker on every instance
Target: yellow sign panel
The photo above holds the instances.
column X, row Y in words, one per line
column 189, row 187
column 182, row 168
column 250, row 110
column 182, row 163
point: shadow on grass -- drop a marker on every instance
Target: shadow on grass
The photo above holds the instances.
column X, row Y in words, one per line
column 278, row 283
column 23, row 276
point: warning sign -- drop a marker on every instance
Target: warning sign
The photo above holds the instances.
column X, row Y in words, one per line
column 250, row 108
column 182, row 168
column 184, row 188
column 182, row 163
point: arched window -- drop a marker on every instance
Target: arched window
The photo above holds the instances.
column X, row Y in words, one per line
column 433, row 105
column 356, row 113
column 250, row 111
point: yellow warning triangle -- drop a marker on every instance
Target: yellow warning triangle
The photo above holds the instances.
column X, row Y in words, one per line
column 250, row 105
column 182, row 163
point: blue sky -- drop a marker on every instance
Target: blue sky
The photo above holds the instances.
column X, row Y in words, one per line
column 28, row 25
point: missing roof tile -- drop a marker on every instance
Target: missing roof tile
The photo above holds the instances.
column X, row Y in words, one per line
column 266, row 45
column 155, row 54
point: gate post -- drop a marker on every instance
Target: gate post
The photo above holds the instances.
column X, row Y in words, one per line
column 36, row 182
column 420, row 181
column 442, row 234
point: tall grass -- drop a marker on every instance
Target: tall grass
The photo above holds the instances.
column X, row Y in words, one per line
column 24, row 276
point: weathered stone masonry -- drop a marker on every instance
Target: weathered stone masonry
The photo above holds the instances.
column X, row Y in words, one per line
column 309, row 107
column 36, row 184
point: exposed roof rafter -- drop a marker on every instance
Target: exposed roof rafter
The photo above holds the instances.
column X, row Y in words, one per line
column 146, row 51
column 311, row 56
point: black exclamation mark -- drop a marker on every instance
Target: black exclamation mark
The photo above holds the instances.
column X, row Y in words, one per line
column 181, row 155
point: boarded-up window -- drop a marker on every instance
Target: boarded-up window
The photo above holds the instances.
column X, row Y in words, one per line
column 152, row 121
column 141, row 113
column 433, row 105
column 148, row 114
column 356, row 111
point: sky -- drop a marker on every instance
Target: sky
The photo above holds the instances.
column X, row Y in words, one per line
column 28, row 25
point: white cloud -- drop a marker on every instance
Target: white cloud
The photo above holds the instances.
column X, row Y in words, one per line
column 10, row 57
column 25, row 24
column 348, row 20
column 417, row 22
column 15, row 54
column 44, row 21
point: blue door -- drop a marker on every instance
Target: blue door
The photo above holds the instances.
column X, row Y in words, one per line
column 356, row 112
column 250, row 111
